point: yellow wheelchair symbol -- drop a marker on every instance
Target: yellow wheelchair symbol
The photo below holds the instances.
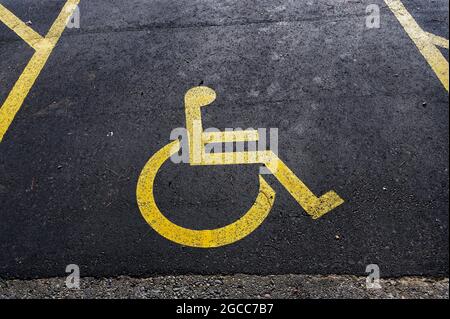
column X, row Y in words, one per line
column 195, row 99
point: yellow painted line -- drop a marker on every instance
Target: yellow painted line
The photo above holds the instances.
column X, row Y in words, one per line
column 60, row 23
column 422, row 40
column 43, row 47
column 194, row 100
column 19, row 27
column 230, row 137
column 315, row 206
column 438, row 40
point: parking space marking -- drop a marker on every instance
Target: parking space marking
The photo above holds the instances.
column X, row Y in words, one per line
column 439, row 41
column 43, row 47
column 30, row 36
column 425, row 42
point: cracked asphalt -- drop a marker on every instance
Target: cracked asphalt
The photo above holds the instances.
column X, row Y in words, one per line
column 358, row 111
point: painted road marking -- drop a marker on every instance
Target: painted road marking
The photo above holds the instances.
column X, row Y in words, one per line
column 43, row 47
column 439, row 41
column 195, row 99
column 26, row 33
column 425, row 42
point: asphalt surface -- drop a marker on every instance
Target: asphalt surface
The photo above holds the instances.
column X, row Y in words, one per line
column 358, row 110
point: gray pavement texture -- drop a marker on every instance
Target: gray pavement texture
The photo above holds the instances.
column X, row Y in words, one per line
column 358, row 110
column 236, row 286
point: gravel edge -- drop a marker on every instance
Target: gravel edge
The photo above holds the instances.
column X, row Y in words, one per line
column 235, row 286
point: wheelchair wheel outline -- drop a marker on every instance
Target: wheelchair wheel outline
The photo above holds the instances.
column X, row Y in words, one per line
column 210, row 238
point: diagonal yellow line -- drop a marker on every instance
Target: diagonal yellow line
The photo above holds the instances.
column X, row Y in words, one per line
column 30, row 36
column 439, row 41
column 60, row 23
column 422, row 40
column 44, row 48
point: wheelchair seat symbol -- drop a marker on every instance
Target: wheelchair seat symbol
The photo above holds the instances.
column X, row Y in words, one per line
column 195, row 99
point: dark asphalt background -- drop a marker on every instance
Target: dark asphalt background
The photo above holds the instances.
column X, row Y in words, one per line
column 359, row 111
